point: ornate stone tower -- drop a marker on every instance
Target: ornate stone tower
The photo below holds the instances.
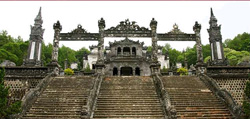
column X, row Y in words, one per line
column 35, row 43
column 215, row 39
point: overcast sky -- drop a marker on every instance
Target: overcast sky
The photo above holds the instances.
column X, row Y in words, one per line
column 16, row 17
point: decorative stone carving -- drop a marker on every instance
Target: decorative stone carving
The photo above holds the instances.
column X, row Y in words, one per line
column 36, row 38
column 153, row 26
column 79, row 30
column 175, row 30
column 215, row 40
column 57, row 28
column 127, row 26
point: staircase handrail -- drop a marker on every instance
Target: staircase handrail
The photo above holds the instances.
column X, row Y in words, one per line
column 169, row 109
column 30, row 96
column 93, row 94
column 223, row 95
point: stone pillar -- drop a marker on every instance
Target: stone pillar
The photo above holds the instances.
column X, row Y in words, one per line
column 215, row 39
column 133, row 72
column 153, row 26
column 57, row 28
column 54, row 66
column 121, row 51
column 101, row 25
column 197, row 29
column 130, row 51
column 100, row 61
column 201, row 67
column 119, row 72
column 154, row 65
column 35, row 43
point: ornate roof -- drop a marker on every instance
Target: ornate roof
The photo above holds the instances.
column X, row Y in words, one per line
column 126, row 41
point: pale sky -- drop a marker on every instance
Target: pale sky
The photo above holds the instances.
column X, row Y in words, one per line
column 16, row 17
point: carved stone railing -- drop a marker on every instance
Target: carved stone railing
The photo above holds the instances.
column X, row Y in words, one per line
column 26, row 71
column 169, row 110
column 88, row 111
column 223, row 95
column 30, row 97
column 228, row 71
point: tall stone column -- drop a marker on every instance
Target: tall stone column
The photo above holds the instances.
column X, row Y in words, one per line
column 101, row 25
column 215, row 39
column 197, row 29
column 200, row 64
column 154, row 66
column 54, row 66
column 35, row 43
column 100, row 61
column 153, row 26
column 57, row 28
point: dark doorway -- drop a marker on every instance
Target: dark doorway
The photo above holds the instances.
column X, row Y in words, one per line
column 126, row 50
column 134, row 51
column 115, row 71
column 93, row 66
column 137, row 71
column 126, row 71
column 119, row 50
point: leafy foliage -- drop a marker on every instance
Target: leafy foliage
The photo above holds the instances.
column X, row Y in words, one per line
column 182, row 71
column 87, row 69
column 6, row 109
column 47, row 53
column 5, row 55
column 235, row 57
column 246, row 103
column 66, row 53
column 164, row 69
column 247, row 90
column 13, row 49
column 240, row 43
column 68, row 71
column 80, row 54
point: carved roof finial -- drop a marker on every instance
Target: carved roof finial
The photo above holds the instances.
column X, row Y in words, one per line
column 212, row 14
column 175, row 26
column 38, row 19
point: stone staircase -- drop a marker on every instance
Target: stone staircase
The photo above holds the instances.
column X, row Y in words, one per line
column 62, row 99
column 128, row 97
column 192, row 99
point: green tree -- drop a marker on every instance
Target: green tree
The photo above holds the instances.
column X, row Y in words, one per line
column 191, row 55
column 5, row 38
column 46, row 53
column 235, row 57
column 207, row 58
column 239, row 43
column 66, row 53
column 5, row 55
column 149, row 49
column 246, row 103
column 173, row 56
column 164, row 69
column 87, row 69
column 6, row 109
column 80, row 54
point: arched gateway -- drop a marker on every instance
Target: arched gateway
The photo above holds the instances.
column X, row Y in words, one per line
column 127, row 29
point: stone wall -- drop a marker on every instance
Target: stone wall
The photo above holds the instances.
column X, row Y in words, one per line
column 233, row 79
column 22, row 79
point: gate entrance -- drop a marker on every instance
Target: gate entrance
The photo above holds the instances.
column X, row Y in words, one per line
column 126, row 71
column 127, row 29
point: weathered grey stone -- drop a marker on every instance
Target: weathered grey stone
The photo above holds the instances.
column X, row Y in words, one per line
column 35, row 43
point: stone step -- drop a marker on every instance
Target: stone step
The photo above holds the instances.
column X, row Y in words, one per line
column 160, row 116
column 62, row 99
column 192, row 99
